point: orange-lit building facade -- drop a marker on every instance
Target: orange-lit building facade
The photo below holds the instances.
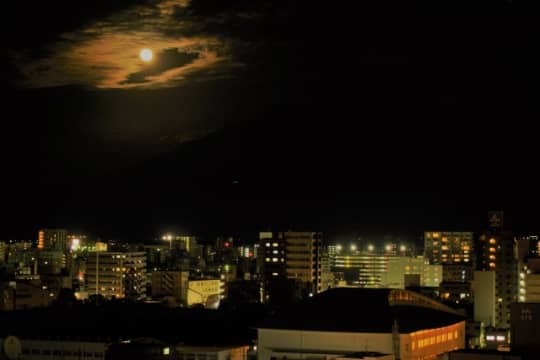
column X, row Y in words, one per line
column 443, row 247
column 427, row 344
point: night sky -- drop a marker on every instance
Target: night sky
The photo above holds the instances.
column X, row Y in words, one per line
column 375, row 118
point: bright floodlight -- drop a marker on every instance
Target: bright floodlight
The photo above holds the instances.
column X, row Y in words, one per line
column 371, row 247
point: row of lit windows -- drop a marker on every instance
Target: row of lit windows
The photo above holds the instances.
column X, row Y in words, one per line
column 435, row 340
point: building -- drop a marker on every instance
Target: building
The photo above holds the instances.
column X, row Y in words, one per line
column 483, row 355
column 23, row 295
column 50, row 262
column 525, row 328
column 271, row 261
column 447, row 247
column 496, row 253
column 206, row 292
column 3, row 252
column 116, row 274
column 485, row 297
column 272, row 248
column 361, row 268
column 398, row 267
column 529, row 287
column 303, row 259
column 183, row 352
column 52, row 239
column 39, row 349
column 344, row 321
column 172, row 284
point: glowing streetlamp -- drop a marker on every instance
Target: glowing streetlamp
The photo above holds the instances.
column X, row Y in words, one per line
column 370, row 247
column 169, row 238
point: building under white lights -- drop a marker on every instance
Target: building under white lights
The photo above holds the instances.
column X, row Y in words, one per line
column 398, row 267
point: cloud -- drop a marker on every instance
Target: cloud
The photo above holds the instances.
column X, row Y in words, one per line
column 105, row 54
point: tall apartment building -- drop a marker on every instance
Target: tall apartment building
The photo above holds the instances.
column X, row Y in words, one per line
column 116, row 274
column 52, row 239
column 292, row 255
column 447, row 247
column 272, row 257
column 303, row 258
column 496, row 253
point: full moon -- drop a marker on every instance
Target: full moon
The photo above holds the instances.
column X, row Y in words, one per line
column 146, row 55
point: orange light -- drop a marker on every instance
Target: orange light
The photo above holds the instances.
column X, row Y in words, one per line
column 492, row 241
column 41, row 240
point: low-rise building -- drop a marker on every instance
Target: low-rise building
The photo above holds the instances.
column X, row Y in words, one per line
column 344, row 321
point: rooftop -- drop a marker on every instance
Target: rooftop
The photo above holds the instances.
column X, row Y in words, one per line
column 365, row 310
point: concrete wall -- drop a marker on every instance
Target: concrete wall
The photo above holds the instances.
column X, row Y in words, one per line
column 297, row 344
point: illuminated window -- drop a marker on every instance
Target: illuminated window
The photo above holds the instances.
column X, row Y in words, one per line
column 267, row 259
column 500, row 338
column 166, row 351
column 490, row 337
column 455, row 334
column 450, row 336
column 275, row 244
column 492, row 241
column 413, row 345
column 492, row 249
column 267, row 244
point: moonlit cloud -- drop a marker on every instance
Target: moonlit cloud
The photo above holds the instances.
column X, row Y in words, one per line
column 105, row 54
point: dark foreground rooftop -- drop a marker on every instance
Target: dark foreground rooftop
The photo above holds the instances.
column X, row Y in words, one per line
column 362, row 310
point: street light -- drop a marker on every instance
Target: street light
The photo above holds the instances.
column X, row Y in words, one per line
column 169, row 238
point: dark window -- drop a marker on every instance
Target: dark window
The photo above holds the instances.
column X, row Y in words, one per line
column 36, row 352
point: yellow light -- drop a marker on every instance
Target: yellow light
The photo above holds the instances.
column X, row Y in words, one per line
column 492, row 241
column 146, row 55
